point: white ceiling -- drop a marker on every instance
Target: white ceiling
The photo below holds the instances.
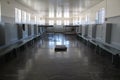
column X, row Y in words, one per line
column 72, row 5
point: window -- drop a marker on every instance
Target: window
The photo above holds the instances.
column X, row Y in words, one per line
column 58, row 22
column 100, row 16
column 51, row 22
column 66, row 22
column 75, row 21
column 33, row 19
column 28, row 17
column 66, row 13
column 51, row 12
column 80, row 22
column 35, row 22
column 17, row 15
column 59, row 13
column 23, row 17
column 38, row 20
column 87, row 21
column 42, row 21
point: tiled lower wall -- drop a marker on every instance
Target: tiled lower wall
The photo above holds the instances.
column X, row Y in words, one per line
column 10, row 33
column 115, row 34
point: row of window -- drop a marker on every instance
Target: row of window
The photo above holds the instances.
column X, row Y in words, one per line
column 21, row 16
column 58, row 22
column 66, row 22
column 25, row 17
column 58, row 14
column 100, row 18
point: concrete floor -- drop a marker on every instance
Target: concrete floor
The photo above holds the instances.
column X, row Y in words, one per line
column 41, row 62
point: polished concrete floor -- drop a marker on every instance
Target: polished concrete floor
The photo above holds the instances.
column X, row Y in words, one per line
column 41, row 62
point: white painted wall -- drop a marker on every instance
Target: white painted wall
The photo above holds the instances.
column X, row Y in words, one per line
column 8, row 17
column 113, row 8
column 91, row 12
column 8, row 10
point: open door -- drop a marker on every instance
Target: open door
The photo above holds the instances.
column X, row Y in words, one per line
column 2, row 35
column 20, row 32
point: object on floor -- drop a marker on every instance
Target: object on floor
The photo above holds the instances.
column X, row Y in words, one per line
column 60, row 48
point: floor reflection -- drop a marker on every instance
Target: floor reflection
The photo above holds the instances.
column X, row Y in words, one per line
column 41, row 62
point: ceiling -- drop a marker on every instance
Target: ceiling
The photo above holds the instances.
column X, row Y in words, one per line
column 72, row 5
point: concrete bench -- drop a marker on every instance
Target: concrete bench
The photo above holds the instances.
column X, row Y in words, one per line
column 79, row 36
column 83, row 39
column 101, row 47
column 13, row 47
column 86, row 40
column 93, row 42
column 8, row 48
column 115, row 52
